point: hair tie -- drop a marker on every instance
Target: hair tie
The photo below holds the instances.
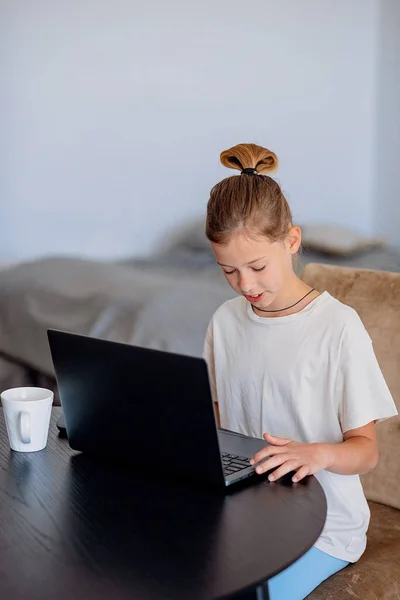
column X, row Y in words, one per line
column 249, row 171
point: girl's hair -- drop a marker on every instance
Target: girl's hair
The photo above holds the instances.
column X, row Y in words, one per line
column 251, row 200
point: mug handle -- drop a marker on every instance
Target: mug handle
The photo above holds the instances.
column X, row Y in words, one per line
column 25, row 427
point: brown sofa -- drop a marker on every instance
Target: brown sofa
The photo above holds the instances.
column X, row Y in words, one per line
column 376, row 297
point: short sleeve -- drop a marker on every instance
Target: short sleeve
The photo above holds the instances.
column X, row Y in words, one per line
column 208, row 355
column 363, row 393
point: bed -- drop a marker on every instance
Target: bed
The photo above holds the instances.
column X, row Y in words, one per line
column 164, row 301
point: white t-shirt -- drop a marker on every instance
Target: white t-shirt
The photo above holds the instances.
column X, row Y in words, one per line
column 310, row 377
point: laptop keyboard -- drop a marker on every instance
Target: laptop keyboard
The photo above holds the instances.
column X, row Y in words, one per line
column 233, row 463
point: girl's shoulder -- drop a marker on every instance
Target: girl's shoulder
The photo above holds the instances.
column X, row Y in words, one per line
column 345, row 313
column 233, row 308
column 344, row 318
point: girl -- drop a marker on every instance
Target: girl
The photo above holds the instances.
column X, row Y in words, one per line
column 291, row 364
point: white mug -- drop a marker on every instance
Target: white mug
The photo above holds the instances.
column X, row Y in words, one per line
column 27, row 412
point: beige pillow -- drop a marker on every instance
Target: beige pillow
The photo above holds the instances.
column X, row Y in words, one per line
column 333, row 239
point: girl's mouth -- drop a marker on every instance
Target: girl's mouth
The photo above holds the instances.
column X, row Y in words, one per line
column 254, row 299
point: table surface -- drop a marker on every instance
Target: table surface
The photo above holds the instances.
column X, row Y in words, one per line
column 73, row 527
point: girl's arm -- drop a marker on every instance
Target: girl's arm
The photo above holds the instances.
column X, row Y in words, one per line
column 357, row 454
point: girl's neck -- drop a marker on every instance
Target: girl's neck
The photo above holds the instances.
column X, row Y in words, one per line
column 292, row 293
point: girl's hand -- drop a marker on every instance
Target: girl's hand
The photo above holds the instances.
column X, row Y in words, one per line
column 305, row 459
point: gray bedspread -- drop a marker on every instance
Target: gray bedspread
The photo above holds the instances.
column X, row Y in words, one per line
column 110, row 301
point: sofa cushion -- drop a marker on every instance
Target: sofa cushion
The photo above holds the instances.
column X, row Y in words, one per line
column 377, row 574
column 375, row 295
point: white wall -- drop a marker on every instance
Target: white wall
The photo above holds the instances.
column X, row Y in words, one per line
column 115, row 113
column 387, row 168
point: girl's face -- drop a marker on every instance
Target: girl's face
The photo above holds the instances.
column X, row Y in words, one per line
column 258, row 269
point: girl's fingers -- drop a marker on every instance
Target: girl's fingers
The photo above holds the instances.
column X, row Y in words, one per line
column 301, row 473
column 271, row 463
column 265, row 453
column 287, row 467
column 273, row 439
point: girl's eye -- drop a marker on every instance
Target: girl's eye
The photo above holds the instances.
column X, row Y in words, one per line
column 229, row 272
column 260, row 269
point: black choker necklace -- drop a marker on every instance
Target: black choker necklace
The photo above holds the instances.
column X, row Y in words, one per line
column 287, row 308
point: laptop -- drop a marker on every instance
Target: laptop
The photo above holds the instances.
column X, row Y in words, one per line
column 148, row 407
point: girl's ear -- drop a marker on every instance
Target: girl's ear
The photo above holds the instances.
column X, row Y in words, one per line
column 294, row 239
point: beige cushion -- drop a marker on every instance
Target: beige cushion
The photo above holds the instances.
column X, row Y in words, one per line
column 333, row 239
column 377, row 574
column 375, row 295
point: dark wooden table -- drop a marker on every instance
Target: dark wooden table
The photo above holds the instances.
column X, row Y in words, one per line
column 75, row 528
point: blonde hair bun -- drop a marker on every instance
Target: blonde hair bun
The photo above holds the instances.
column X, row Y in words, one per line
column 250, row 156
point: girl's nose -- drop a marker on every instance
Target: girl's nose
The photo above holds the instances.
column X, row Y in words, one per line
column 245, row 285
